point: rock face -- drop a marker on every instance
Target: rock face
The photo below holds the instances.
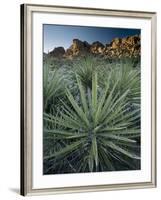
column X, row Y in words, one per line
column 57, row 52
column 115, row 44
column 118, row 48
column 97, row 47
column 125, row 47
column 78, row 48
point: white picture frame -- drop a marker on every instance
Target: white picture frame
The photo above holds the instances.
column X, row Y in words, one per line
column 33, row 182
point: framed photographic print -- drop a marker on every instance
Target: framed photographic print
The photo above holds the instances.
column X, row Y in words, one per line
column 88, row 99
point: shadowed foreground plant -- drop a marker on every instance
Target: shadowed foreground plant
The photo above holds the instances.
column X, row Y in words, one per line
column 93, row 132
column 53, row 85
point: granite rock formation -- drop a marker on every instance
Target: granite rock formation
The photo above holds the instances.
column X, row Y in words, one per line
column 117, row 48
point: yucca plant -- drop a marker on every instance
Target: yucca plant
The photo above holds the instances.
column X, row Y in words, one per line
column 125, row 71
column 53, row 85
column 128, row 77
column 93, row 132
column 86, row 66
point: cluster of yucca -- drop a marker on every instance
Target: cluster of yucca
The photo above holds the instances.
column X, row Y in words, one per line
column 91, row 117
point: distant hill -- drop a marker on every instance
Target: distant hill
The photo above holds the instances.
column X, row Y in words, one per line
column 117, row 48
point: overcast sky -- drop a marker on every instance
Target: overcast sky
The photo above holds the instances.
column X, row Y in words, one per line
column 63, row 35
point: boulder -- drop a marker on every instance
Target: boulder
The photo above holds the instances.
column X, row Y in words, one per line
column 132, row 40
column 96, row 47
column 115, row 43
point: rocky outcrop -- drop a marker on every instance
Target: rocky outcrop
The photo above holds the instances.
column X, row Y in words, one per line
column 115, row 44
column 118, row 48
column 125, row 47
column 78, row 48
column 97, row 48
column 57, row 52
